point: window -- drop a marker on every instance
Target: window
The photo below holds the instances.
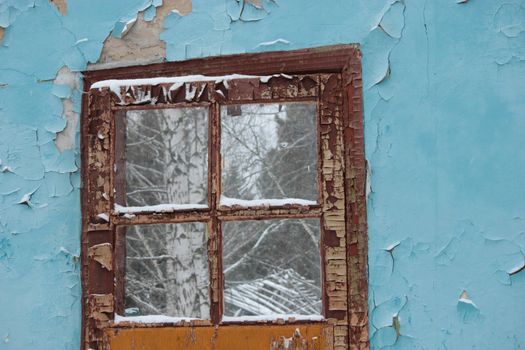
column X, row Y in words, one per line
column 228, row 206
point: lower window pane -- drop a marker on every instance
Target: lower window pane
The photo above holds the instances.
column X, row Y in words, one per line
column 271, row 267
column 167, row 270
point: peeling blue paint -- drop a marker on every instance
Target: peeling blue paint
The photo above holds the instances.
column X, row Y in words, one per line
column 444, row 107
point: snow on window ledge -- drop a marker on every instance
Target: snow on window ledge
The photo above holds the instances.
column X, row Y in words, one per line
column 161, row 319
column 159, row 208
column 273, row 317
column 152, row 319
column 236, row 202
column 115, row 85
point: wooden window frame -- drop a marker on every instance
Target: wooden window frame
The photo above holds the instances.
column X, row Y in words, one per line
column 330, row 76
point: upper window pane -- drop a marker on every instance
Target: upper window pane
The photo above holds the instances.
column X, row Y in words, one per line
column 166, row 157
column 269, row 151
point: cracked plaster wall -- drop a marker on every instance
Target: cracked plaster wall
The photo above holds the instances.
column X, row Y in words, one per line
column 444, row 119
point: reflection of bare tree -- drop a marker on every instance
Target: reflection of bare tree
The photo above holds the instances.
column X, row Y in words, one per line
column 270, row 266
column 271, row 152
column 271, row 259
column 167, row 163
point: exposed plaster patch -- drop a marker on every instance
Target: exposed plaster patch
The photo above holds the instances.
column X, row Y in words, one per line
column 2, row 32
column 61, row 6
column 65, row 82
column 256, row 3
column 140, row 42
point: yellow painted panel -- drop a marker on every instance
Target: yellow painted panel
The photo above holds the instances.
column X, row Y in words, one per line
column 234, row 337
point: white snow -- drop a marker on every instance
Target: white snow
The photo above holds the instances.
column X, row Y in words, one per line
column 152, row 319
column 230, row 202
column 159, row 208
column 175, row 86
column 103, row 216
column 115, row 85
column 190, row 92
column 273, row 317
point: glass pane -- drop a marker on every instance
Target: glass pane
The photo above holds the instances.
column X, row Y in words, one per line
column 271, row 267
column 167, row 270
column 166, row 156
column 269, row 151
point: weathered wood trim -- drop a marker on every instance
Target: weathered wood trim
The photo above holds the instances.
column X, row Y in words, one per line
column 333, row 213
column 329, row 75
column 325, row 59
column 355, row 184
column 290, row 336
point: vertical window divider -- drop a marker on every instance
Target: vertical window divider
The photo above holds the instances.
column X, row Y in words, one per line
column 215, row 237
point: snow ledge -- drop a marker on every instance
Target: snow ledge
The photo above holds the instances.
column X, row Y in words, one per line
column 159, row 208
column 152, row 319
column 236, row 202
column 273, row 317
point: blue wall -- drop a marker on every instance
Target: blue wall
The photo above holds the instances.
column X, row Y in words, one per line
column 444, row 88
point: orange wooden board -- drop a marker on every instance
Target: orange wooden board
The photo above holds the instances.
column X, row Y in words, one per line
column 234, row 337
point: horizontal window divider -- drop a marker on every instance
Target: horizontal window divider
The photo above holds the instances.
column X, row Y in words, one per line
column 161, row 218
column 272, row 213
